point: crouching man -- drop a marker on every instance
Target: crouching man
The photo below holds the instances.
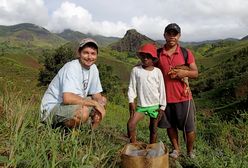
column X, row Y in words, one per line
column 74, row 94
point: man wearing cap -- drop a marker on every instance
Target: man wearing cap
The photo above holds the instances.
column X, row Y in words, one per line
column 179, row 113
column 74, row 94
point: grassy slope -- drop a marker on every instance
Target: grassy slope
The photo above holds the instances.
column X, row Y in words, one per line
column 24, row 142
column 121, row 67
column 218, row 54
column 221, row 66
column 27, row 143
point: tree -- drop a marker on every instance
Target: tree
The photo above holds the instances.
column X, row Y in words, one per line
column 53, row 61
column 111, row 84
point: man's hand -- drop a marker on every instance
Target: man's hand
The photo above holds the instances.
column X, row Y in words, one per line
column 96, row 119
column 100, row 108
column 132, row 109
column 100, row 99
column 178, row 73
column 182, row 71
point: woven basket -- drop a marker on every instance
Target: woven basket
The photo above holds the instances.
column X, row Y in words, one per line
column 137, row 156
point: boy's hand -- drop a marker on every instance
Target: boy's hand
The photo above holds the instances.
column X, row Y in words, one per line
column 160, row 114
column 131, row 109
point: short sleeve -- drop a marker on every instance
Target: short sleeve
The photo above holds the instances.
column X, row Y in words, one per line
column 95, row 85
column 191, row 58
column 70, row 80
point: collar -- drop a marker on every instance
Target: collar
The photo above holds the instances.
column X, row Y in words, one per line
column 176, row 51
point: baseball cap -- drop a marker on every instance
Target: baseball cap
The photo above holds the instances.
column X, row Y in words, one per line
column 87, row 40
column 172, row 26
column 149, row 49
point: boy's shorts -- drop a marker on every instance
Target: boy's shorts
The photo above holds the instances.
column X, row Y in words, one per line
column 151, row 111
column 60, row 113
column 176, row 115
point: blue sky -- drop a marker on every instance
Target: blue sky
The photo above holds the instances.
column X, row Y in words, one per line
column 199, row 19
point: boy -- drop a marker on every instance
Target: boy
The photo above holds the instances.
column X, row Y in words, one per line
column 147, row 84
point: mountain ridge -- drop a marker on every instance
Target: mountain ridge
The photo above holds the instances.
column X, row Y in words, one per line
column 245, row 38
column 29, row 35
column 72, row 35
column 26, row 32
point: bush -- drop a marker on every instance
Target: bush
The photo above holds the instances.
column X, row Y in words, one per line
column 53, row 61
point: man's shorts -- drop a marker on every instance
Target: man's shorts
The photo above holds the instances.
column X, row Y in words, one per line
column 151, row 111
column 60, row 113
column 176, row 116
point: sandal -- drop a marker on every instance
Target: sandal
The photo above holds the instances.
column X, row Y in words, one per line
column 174, row 154
column 191, row 155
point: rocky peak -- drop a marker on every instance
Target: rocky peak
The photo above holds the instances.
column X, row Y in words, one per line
column 131, row 41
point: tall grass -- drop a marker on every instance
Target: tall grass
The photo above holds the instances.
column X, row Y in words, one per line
column 28, row 143
column 25, row 142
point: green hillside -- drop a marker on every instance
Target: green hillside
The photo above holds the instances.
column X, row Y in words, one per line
column 28, row 35
column 223, row 77
column 220, row 94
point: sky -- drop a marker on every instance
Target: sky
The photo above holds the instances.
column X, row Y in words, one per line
column 199, row 19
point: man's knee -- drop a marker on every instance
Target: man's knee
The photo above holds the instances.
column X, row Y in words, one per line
column 82, row 114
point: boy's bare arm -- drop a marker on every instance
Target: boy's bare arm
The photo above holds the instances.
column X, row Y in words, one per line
column 131, row 109
column 160, row 114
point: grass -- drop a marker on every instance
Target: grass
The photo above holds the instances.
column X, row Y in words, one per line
column 25, row 142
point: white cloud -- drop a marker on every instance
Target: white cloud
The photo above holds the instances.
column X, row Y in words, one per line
column 151, row 26
column 20, row 11
column 199, row 20
column 71, row 16
column 208, row 19
column 109, row 28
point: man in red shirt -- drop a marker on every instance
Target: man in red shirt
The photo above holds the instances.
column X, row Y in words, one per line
column 179, row 113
